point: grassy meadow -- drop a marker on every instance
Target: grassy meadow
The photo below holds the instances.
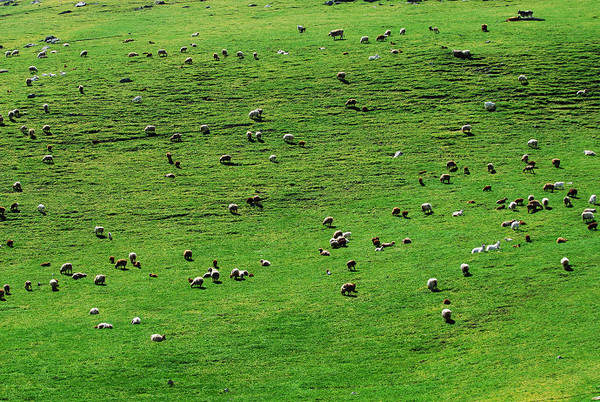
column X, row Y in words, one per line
column 287, row 333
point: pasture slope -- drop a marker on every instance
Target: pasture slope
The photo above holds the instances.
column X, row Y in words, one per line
column 287, row 333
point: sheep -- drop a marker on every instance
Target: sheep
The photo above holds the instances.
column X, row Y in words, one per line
column 466, row 129
column 447, row 315
column 17, row 187
column 28, row 286
column 487, row 188
column 289, row 138
column 533, row 206
column 567, row 202
column 258, row 136
column 445, row 178
column 526, row 13
column 515, row 225
column 187, row 254
column 490, row 168
column 565, row 263
column 324, row 252
column 31, row 133
column 522, row 79
column 233, row 208
column 46, row 108
column 225, row 159
column 265, row 263
column 23, row 130
column 224, row 52
column 132, row 257
column 350, row 102
column 83, row 53
column 336, row 32
column 561, row 240
column 216, row 57
column 94, row 311
column 587, row 153
column 347, row 288
column 300, row 28
column 136, row 321
column 6, row 289
column 80, row 88
column 489, row 106
column 549, row 187
column 396, row 211
column 495, row 246
column 197, row 281
column 104, row 325
column 54, row 285
column 183, row 49
column 78, row 275
column 401, row 32
column 328, row 221
column 341, row 75
column 458, row 213
column 28, row 82
column 66, row 268
column 240, row 55
column 434, row 29
column 559, row 185
column 188, row 60
column 162, row 53
column 533, row 143
column 529, row 169
column 432, row 284
column 235, row 273
column 525, row 158
column 587, row 217
column 351, row 265
column 132, row 54
column 42, row 55
column 175, row 137
column 406, row 240
column 572, row 193
column 384, row 245
column 364, row 39
column 556, row 163
column 421, row 181
column 592, row 199
column 157, row 337
column 255, row 114
column 426, row 208
column 582, row 92
column 170, row 175
column 121, row 263
column 512, row 206
column 395, row 51
column 204, row 129
column 464, row 268
column 150, row 129
column 99, row 280
column 478, row 249
column 593, row 226
column 484, row 28
column 98, row 230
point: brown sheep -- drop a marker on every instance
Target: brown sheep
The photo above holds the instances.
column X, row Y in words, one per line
column 567, row 202
column 121, row 263
column 170, row 157
column 487, row 188
column 421, row 181
column 215, row 264
column 216, row 57
column 396, row 211
column 14, row 207
column 528, row 238
column 466, row 170
column 556, row 163
column 528, row 169
column 502, row 201
column 9, row 243
column 350, row 102
column 519, row 201
column 451, row 166
column 178, row 164
column 187, row 254
column 111, row 259
column 384, row 245
column 153, row 275
column 503, row 206
column 593, row 226
column 572, row 193
column 531, row 163
column 380, row 38
column 549, row 187
column 324, row 252
column 137, row 264
column 484, row 28
column 328, row 221
column 376, row 242
column 2, row 295
column 406, row 240
column 301, row 143
column 351, row 265
column 2, row 211
column 347, row 288
column 405, row 214
column 561, row 240
column 445, row 178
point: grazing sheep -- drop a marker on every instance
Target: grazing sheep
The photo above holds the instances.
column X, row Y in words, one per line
column 484, row 28
column 240, row 55
column 522, row 79
column 451, row 166
column 556, row 163
column 533, row 143
column 489, row 106
column 592, row 199
column 150, row 129
column 28, row 286
column 258, row 136
column 549, row 187
column 67, row 268
column 395, row 51
column 6, row 289
column 396, row 211
column 421, row 181
column 94, row 311
column 48, row 159
column 28, row 82
column 406, row 240
column 224, row 52
column 561, row 240
column 23, row 130
column 587, row 153
column 121, row 263
column 434, row 29
column 380, row 38
column 533, row 206
column 593, row 226
column 233, row 208
column 341, row 75
column 447, row 314
column 98, row 230
column 187, row 254
column 183, row 49
column 376, row 242
column 104, row 325
column 80, row 88
column 512, row 206
column 565, row 263
column 490, row 168
column 197, row 281
column 559, row 185
column 336, row 32
column 225, row 159
column 162, row 53
column 136, row 321
column 364, row 39
column 132, row 257
column 324, row 252
column 445, row 178
column 235, row 273
column 132, row 54
column 111, row 259
column 432, row 284
column 458, row 213
column 188, row 60
column 587, row 217
column 572, row 193
column 567, row 202
column 388, row 32
column 347, row 288
column 83, row 53
column 466, row 129
column 464, row 268
column 300, row 28
column 273, row 158
column 351, row 265
column 515, row 225
column 289, row 138
column 157, row 337
column 545, row 202
column 478, row 249
column 265, row 263
column 204, row 129
column 350, row 102
column 255, row 114
column 17, row 187
column 78, row 275
column 99, row 280
column 426, row 208
column 175, row 137
column 54, row 285
column 328, row 221
column 529, row 169
column 487, row 188
column 216, row 57
column 46, row 108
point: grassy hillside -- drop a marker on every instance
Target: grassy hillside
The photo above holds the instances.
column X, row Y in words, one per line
column 287, row 333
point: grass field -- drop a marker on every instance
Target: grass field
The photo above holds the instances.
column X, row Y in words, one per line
column 287, row 333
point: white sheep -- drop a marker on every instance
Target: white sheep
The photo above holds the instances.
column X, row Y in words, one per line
column 99, row 280
column 273, row 158
column 289, row 138
column 98, row 230
column 426, row 208
column 402, row 31
column 301, row 29
column 581, row 92
column 66, row 268
column 587, row 217
column 94, row 311
column 458, row 213
column 364, row 39
column 592, row 199
column 466, row 128
column 162, row 53
column 41, row 208
column 233, row 208
column 432, row 284
column 132, row 256
column 150, row 129
column 489, row 106
column 512, row 206
column 495, row 246
column 46, row 108
column 54, row 284
column 545, row 202
column 265, row 263
column 48, row 159
column 197, row 281
column 478, row 249
column 104, row 325
column 255, row 114
column 83, row 53
column 240, row 54
column 533, row 143
column 42, row 55
column 589, row 153
column 565, row 263
column 136, row 320
column 464, row 268
column 522, row 79
column 447, row 314
column 559, row 185
column 204, row 129
column 157, row 337
column 515, row 225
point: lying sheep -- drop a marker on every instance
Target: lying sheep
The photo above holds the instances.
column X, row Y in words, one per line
column 175, row 137
column 104, row 325
column 79, row 275
column 587, row 153
column 48, row 159
column 347, row 288
column 225, row 159
column 157, row 337
column 324, row 252
column 94, row 311
column 136, row 321
column 265, row 263
column 99, row 280
column 150, row 129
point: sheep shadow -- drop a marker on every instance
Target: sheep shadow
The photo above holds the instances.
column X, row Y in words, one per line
column 55, row 289
column 331, row 227
column 549, row 208
column 43, row 213
column 3, row 218
column 101, row 236
column 568, row 269
column 351, row 295
column 239, row 279
column 353, row 108
column 123, row 269
column 231, row 164
column 450, row 321
column 291, row 143
column 261, row 140
column 217, row 282
column 198, row 287
column 344, row 81
column 189, row 259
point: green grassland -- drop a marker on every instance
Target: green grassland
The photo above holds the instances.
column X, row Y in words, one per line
column 287, row 333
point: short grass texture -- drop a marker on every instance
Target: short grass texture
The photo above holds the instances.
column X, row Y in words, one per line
column 287, row 333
